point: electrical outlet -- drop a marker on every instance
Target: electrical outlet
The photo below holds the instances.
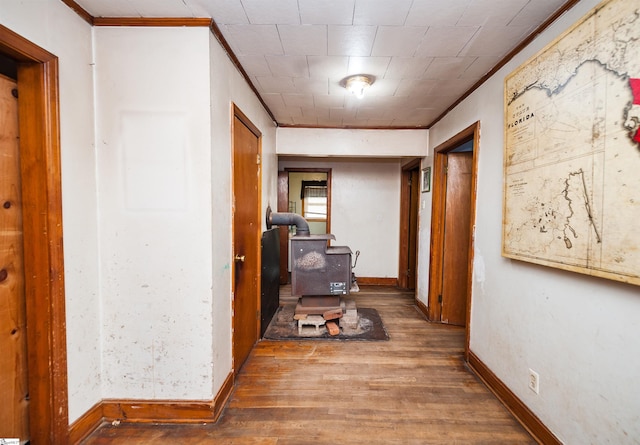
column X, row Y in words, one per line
column 534, row 381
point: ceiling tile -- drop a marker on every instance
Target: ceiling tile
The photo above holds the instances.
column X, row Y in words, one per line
column 375, row 66
column 255, row 64
column 445, row 40
column 311, row 86
column 370, row 113
column 329, row 12
column 436, row 12
column 480, row 67
column 225, row 12
column 253, row 39
column 494, row 41
column 304, row 39
column 315, row 112
column 162, row 8
column 274, row 100
column 381, row 12
column 399, row 41
column 351, row 40
column 454, row 87
column 292, row 66
column 407, row 67
column 411, row 87
column 272, row 12
column 382, row 87
column 327, row 101
column 298, row 100
column 115, row 8
column 334, row 67
column 447, row 68
column 276, row 84
column 491, row 12
column 536, row 12
column 305, row 120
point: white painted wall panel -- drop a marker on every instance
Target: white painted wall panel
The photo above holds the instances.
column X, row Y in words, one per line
column 578, row 332
column 55, row 27
column 366, row 143
column 153, row 120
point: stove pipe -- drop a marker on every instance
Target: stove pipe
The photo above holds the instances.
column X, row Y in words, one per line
column 288, row 219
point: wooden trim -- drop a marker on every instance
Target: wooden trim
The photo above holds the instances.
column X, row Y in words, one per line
column 165, row 411
column 520, row 411
column 373, row 281
column 79, row 10
column 147, row 411
column 530, row 38
column 423, row 308
column 153, row 21
column 86, row 424
column 16, row 47
column 42, row 228
column 221, row 398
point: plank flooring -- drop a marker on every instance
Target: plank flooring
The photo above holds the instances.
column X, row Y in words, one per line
column 412, row 389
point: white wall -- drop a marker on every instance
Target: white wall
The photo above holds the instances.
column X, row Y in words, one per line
column 581, row 334
column 366, row 143
column 153, row 119
column 227, row 86
column 56, row 28
column 365, row 209
column 164, row 124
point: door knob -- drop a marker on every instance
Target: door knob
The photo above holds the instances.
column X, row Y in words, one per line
column 239, row 258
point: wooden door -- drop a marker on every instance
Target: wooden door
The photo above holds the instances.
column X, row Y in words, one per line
column 246, row 237
column 455, row 264
column 14, row 401
column 409, row 209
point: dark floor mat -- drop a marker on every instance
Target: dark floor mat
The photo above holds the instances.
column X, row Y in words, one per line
column 284, row 327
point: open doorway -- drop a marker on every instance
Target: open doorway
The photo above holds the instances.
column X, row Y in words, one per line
column 453, row 217
column 307, row 192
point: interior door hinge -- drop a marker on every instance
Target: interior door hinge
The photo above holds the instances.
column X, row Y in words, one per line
column 258, row 159
column 440, row 298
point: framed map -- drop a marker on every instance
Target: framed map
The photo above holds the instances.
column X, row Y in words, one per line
column 572, row 149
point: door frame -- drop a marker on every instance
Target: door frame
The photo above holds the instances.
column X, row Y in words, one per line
column 405, row 203
column 42, row 230
column 438, row 210
column 237, row 113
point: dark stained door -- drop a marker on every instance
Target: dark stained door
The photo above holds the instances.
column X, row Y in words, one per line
column 246, row 237
column 457, row 234
column 409, row 209
column 14, row 404
column 414, row 206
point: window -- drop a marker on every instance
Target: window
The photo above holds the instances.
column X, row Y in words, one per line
column 314, row 200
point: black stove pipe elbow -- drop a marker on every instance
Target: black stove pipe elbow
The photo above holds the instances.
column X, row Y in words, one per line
column 288, row 219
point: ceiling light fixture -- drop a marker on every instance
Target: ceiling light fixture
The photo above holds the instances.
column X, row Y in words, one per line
column 357, row 84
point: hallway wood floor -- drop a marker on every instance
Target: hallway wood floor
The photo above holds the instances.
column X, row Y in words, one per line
column 412, row 389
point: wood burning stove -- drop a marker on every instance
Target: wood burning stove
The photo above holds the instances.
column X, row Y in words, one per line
column 320, row 273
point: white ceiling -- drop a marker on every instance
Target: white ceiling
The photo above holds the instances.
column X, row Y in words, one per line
column 424, row 54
